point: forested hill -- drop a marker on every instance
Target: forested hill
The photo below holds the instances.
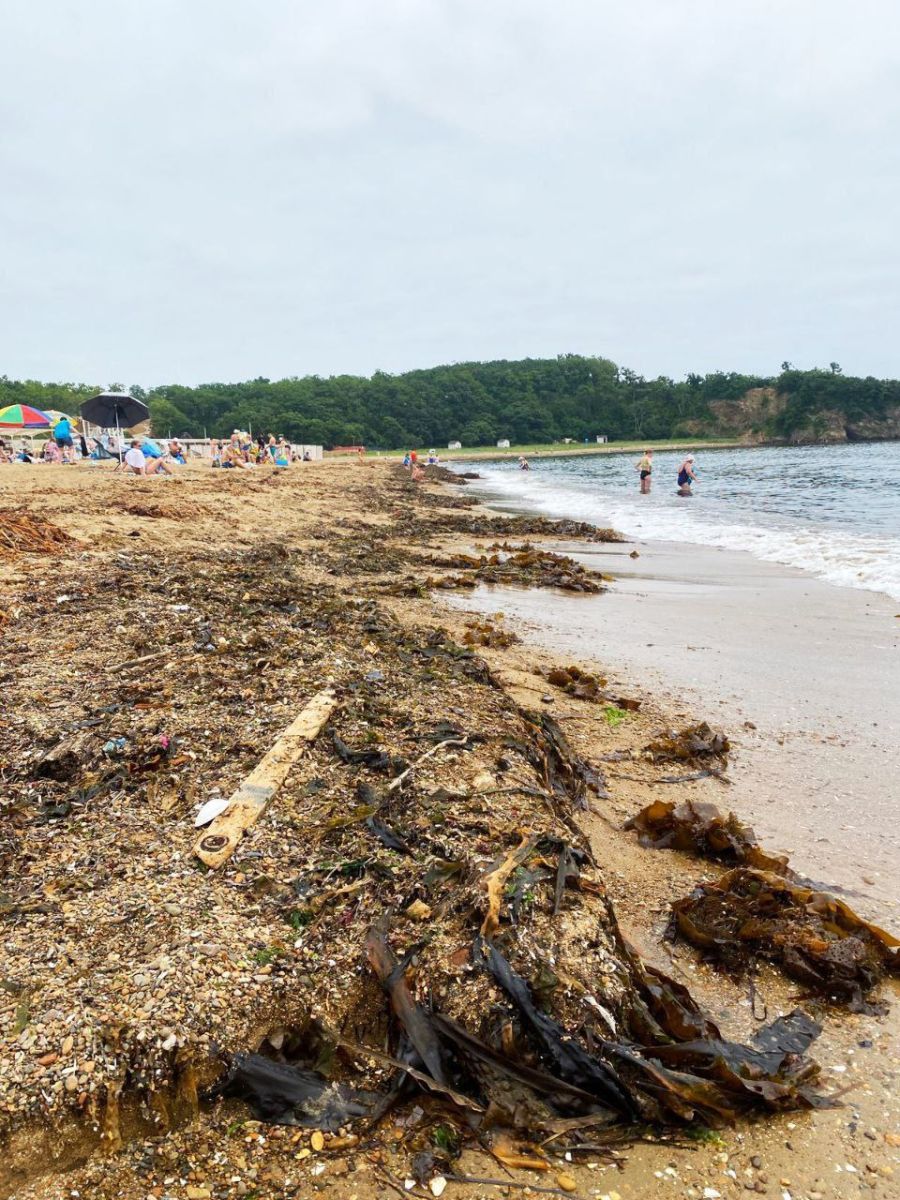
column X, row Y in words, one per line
column 532, row 400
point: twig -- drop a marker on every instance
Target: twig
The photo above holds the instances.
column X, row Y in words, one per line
column 395, row 783
column 507, row 1183
column 392, row 1182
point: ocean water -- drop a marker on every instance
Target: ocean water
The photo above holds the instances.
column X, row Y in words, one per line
column 833, row 511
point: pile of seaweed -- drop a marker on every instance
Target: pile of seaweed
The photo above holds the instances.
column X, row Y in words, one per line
column 27, row 533
column 762, row 911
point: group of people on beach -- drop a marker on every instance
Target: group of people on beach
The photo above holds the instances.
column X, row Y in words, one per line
column 243, row 450
column 413, row 465
column 686, row 474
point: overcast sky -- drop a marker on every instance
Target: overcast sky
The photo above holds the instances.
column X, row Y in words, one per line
column 217, row 189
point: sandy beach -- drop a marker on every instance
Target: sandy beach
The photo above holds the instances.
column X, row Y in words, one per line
column 803, row 674
column 182, row 625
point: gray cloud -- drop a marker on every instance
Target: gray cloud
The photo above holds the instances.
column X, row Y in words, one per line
column 219, row 190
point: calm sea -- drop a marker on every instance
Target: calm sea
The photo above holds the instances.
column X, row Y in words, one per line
column 831, row 510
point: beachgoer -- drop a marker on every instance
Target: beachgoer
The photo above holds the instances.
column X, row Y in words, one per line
column 407, row 459
column 137, row 462
column 306, row 456
column 62, row 435
column 524, row 464
column 432, row 458
column 418, row 474
column 645, row 466
column 52, row 452
column 686, row 476
column 413, row 457
column 176, row 452
column 24, row 455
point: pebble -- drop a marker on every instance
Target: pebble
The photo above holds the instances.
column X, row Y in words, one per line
column 317, row 1141
column 567, row 1183
column 755, row 1161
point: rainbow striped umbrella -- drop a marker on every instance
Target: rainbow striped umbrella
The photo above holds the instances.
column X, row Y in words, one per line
column 23, row 416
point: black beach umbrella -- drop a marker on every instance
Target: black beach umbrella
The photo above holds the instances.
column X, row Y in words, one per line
column 115, row 408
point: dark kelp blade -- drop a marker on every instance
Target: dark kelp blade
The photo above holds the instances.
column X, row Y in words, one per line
column 287, row 1095
column 391, row 976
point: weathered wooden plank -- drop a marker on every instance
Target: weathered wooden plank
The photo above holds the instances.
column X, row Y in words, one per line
column 220, row 840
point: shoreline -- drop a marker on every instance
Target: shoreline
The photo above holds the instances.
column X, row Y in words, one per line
column 727, row 636
column 336, row 541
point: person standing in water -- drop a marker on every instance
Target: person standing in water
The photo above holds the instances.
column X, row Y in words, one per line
column 645, row 466
column 686, row 476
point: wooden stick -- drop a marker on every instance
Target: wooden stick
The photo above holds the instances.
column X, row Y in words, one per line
column 395, row 783
column 220, row 840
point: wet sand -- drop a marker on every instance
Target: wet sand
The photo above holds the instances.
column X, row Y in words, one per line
column 802, row 675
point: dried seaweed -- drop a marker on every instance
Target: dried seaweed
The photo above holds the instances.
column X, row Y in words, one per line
column 585, row 686
column 699, row 827
column 694, row 744
column 25, row 533
column 751, row 915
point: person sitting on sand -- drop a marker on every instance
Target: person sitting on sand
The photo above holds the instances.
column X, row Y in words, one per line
column 52, row 452
column 24, row 455
column 136, row 462
column 645, row 466
column 686, row 476
column 418, row 473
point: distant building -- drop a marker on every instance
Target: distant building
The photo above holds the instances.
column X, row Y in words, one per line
column 601, row 437
column 503, row 444
column 568, row 441
column 454, row 445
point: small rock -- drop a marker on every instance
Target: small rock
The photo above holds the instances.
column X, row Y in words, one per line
column 317, row 1140
column 419, row 911
column 567, row 1183
column 197, row 1193
column 69, row 1042
column 755, row 1161
column 437, row 1185
column 72, row 1083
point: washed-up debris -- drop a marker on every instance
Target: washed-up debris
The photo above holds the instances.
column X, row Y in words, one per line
column 69, row 756
column 698, row 827
column 289, row 1095
column 693, row 744
column 246, row 805
column 520, row 565
column 25, row 533
column 748, row 915
column 585, row 686
column 157, row 509
column 490, row 634
column 484, row 524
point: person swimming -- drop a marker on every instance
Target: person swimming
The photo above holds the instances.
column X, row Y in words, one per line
column 686, row 476
column 524, row 464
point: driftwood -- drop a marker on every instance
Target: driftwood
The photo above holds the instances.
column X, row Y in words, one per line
column 68, row 756
column 219, row 841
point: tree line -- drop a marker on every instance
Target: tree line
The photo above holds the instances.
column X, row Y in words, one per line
column 530, row 400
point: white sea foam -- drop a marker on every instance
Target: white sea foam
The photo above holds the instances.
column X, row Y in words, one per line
column 847, row 558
